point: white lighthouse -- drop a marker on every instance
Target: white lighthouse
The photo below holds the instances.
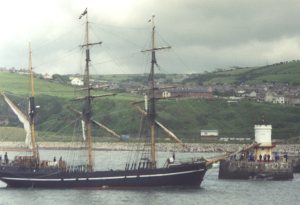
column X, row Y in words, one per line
column 263, row 136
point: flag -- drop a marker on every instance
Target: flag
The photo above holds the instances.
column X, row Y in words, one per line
column 151, row 18
column 85, row 12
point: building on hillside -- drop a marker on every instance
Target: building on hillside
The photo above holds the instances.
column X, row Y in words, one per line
column 279, row 100
column 240, row 93
column 274, row 98
column 293, row 101
column 252, row 94
column 77, row 82
column 186, row 92
column 166, row 94
column 269, row 96
column 47, row 76
column 209, row 135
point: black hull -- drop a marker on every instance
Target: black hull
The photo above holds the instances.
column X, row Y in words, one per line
column 176, row 175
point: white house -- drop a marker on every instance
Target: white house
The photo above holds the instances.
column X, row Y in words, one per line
column 47, row 76
column 279, row 100
column 241, row 92
column 77, row 81
column 269, row 96
column 253, row 94
column 166, row 94
column 274, row 98
column 209, row 135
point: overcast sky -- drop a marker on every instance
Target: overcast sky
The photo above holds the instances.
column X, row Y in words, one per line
column 204, row 34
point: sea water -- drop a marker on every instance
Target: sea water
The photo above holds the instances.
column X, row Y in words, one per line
column 212, row 191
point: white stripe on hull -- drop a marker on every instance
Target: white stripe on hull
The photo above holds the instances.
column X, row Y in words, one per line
column 100, row 178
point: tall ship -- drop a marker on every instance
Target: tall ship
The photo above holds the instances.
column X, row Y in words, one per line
column 143, row 171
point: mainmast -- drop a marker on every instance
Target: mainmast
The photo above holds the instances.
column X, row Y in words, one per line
column 32, row 108
column 151, row 113
column 87, row 108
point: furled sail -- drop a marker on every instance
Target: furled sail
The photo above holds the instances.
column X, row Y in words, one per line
column 83, row 130
column 171, row 134
column 106, row 128
column 96, row 123
column 22, row 118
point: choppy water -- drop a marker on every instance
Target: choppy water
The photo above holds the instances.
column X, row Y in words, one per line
column 211, row 192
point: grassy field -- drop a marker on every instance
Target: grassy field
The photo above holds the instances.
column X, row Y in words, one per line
column 12, row 134
column 19, row 85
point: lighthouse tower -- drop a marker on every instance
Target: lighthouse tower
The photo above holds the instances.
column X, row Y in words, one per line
column 263, row 136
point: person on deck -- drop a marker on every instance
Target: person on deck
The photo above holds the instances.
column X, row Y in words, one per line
column 286, row 157
column 260, row 157
column 6, row 158
column 276, row 157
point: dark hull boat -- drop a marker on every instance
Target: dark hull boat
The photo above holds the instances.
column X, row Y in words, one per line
column 174, row 175
column 142, row 171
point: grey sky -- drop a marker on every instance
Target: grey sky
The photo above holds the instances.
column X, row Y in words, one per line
column 204, row 34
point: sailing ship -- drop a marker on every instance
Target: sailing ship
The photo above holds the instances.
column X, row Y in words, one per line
column 31, row 171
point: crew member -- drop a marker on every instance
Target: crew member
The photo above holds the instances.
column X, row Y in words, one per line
column 6, row 158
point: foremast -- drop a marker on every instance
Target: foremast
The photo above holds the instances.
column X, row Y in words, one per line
column 32, row 109
column 87, row 107
column 150, row 105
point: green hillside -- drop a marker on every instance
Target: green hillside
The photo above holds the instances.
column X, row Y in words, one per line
column 19, row 85
column 276, row 73
column 186, row 117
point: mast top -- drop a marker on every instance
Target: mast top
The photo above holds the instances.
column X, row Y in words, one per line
column 83, row 13
column 152, row 20
column 153, row 46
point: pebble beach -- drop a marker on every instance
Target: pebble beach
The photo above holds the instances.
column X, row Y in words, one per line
column 162, row 147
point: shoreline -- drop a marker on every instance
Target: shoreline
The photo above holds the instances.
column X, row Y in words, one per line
column 162, row 147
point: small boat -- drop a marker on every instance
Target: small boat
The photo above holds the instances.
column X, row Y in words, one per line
column 31, row 171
